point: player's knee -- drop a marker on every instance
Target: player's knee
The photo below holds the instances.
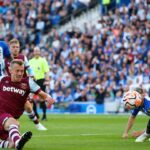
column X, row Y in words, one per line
column 9, row 122
column 28, row 108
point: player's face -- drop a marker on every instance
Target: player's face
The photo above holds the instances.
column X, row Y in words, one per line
column 17, row 72
column 15, row 48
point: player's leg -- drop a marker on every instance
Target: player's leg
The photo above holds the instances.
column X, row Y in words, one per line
column 35, row 109
column 12, row 126
column 42, row 104
column 5, row 141
column 33, row 104
column 4, row 144
column 33, row 117
column 9, row 128
column 143, row 137
column 148, row 127
column 24, row 138
column 30, row 112
column 43, row 107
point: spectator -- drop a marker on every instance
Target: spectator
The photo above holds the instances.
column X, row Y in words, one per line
column 111, row 50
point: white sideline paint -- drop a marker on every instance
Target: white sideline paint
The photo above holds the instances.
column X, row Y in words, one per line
column 62, row 135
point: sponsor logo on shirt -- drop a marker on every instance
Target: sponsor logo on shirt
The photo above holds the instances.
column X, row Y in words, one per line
column 14, row 90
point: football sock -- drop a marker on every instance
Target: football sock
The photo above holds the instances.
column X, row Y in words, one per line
column 14, row 133
column 4, row 144
column 35, row 109
column 148, row 127
column 33, row 117
column 43, row 106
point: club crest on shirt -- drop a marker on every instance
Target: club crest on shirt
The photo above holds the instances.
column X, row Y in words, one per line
column 6, row 82
column 23, row 86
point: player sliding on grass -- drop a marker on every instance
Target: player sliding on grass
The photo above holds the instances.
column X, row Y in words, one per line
column 15, row 49
column 14, row 91
column 145, row 108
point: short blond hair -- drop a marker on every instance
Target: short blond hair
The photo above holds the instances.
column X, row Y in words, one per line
column 16, row 61
column 14, row 41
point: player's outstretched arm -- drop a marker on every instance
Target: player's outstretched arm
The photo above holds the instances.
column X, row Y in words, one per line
column 129, row 126
column 46, row 97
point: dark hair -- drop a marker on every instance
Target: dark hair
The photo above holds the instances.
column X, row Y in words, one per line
column 139, row 90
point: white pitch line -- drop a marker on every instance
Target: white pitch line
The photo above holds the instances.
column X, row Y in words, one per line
column 63, row 135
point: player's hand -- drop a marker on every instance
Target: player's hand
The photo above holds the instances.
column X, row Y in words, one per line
column 50, row 100
column 125, row 135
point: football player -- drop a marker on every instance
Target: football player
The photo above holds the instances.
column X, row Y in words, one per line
column 14, row 45
column 14, row 91
column 145, row 108
column 4, row 53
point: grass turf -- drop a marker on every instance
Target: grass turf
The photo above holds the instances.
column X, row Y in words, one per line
column 83, row 132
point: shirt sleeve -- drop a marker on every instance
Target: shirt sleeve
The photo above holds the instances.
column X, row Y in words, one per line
column 34, row 88
column 26, row 62
column 6, row 51
column 135, row 111
column 27, row 65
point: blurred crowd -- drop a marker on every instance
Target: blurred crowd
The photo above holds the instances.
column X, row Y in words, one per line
column 30, row 19
column 95, row 63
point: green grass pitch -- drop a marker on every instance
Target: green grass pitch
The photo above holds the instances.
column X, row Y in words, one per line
column 83, row 132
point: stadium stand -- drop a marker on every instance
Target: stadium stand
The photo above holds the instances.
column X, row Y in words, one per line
column 91, row 62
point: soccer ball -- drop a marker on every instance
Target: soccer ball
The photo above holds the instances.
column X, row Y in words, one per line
column 132, row 99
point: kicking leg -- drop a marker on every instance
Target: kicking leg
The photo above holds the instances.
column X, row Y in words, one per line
column 4, row 144
column 24, row 138
column 30, row 112
column 35, row 109
column 43, row 107
column 12, row 126
column 33, row 117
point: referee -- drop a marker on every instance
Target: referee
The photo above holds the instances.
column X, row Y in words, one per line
column 41, row 71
